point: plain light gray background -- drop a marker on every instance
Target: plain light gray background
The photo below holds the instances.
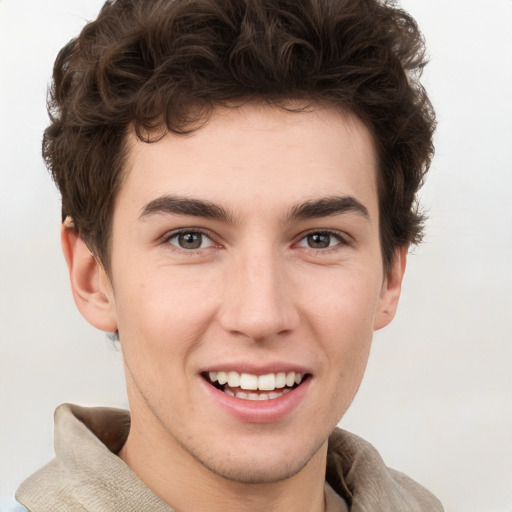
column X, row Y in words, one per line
column 437, row 396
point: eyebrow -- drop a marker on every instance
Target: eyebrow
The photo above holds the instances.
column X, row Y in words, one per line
column 177, row 205
column 324, row 207
column 328, row 206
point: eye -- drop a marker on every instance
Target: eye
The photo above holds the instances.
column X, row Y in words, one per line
column 321, row 240
column 190, row 240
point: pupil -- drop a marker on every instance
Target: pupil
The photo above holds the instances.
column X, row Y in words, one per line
column 319, row 241
column 190, row 240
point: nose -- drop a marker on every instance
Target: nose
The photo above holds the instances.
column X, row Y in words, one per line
column 258, row 300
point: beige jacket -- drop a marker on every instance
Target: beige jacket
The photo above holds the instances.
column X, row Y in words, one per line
column 87, row 476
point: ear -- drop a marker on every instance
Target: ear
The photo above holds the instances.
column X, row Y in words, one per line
column 391, row 289
column 90, row 283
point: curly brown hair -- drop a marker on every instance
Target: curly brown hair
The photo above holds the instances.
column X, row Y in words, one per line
column 150, row 64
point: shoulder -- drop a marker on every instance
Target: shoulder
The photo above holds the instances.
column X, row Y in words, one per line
column 356, row 470
column 86, row 473
column 46, row 490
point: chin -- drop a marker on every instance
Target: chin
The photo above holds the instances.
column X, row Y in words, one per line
column 262, row 466
column 250, row 473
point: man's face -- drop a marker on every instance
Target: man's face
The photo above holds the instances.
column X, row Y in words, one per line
column 248, row 250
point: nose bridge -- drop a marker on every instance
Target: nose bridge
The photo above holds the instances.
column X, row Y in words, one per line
column 258, row 302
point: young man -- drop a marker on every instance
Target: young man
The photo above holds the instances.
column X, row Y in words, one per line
column 238, row 186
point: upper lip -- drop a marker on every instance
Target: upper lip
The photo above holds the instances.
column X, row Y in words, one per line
column 257, row 369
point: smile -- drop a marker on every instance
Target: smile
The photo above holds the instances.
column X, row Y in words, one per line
column 247, row 386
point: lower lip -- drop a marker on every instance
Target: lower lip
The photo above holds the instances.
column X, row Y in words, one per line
column 258, row 411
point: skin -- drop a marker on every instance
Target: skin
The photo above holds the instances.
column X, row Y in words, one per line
column 255, row 294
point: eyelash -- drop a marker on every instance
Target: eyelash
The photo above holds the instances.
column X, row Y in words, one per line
column 189, row 231
column 340, row 237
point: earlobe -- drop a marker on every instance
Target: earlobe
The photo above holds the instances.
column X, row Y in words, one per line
column 391, row 289
column 89, row 282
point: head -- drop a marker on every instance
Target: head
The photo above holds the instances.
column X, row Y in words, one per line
column 244, row 173
column 161, row 65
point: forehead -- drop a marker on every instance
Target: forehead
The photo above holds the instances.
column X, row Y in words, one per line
column 257, row 152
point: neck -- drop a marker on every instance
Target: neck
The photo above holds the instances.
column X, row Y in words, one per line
column 187, row 486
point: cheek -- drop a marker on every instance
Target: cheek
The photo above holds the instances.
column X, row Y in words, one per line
column 341, row 318
column 342, row 301
column 161, row 318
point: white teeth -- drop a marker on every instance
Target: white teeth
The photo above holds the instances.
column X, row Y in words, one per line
column 233, row 379
column 280, row 380
column 257, row 396
column 247, row 381
column 267, row 382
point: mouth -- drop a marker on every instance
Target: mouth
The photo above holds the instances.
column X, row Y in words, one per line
column 247, row 386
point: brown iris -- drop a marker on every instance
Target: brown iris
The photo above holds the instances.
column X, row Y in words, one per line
column 319, row 240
